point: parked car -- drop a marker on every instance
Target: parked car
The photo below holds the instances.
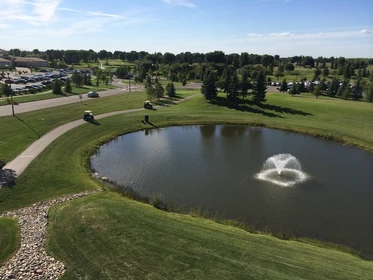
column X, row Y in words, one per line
column 93, row 94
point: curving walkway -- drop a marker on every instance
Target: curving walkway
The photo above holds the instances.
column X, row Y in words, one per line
column 32, row 261
column 19, row 164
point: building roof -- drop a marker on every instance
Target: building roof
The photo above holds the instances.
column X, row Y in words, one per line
column 3, row 60
column 27, row 58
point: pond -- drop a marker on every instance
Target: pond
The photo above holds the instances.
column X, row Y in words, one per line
column 217, row 167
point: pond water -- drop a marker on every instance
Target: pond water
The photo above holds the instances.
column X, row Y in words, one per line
column 216, row 168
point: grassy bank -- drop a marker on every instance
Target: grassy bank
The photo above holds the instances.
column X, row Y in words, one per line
column 61, row 168
column 106, row 236
column 9, row 238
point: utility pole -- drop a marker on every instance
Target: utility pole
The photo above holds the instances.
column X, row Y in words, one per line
column 11, row 100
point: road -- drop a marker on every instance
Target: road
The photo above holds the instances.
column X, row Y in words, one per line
column 19, row 164
column 6, row 110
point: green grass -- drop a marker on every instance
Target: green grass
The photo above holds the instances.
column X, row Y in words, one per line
column 9, row 238
column 49, row 94
column 106, row 236
column 113, row 64
column 17, row 133
column 62, row 169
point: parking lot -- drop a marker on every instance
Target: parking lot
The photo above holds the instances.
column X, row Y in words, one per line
column 37, row 81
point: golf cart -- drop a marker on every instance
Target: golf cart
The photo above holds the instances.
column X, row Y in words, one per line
column 148, row 105
column 88, row 116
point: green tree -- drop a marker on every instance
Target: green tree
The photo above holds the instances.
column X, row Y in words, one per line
column 357, row 89
column 333, row 88
column 317, row 74
column 68, row 86
column 77, row 79
column 289, row 67
column 233, row 90
column 208, row 88
column 346, row 93
column 245, row 83
column 122, row 72
column 345, row 84
column 318, row 89
column 6, row 89
column 159, row 90
column 150, row 91
column 98, row 74
column 294, row 89
column 325, row 72
column 56, row 87
column 369, row 92
column 284, row 86
column 259, row 89
column 170, row 90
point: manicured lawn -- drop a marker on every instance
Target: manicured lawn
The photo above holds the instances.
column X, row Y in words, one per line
column 17, row 133
column 61, row 168
column 49, row 94
column 106, row 236
column 9, row 238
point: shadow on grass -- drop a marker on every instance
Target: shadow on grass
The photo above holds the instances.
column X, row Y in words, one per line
column 27, row 125
column 243, row 107
column 284, row 110
column 249, row 106
column 7, row 178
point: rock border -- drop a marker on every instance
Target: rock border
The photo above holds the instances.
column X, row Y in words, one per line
column 32, row 261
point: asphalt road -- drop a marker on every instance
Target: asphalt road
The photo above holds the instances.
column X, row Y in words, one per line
column 6, row 110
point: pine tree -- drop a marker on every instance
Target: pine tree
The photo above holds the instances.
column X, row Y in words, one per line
column 170, row 90
column 245, row 83
column 208, row 88
column 317, row 91
column 68, row 87
column 259, row 89
column 294, row 89
column 284, row 86
column 346, row 93
column 369, row 92
column 233, row 88
column 333, row 88
column 159, row 90
column 150, row 91
column 56, row 87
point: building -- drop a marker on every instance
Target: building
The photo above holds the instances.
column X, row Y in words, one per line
column 29, row 62
column 3, row 53
column 4, row 63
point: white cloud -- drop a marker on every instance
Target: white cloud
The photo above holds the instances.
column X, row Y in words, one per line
column 283, row 34
column 184, row 3
column 255, row 35
column 366, row 31
column 104, row 14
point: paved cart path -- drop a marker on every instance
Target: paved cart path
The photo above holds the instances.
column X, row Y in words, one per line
column 20, row 163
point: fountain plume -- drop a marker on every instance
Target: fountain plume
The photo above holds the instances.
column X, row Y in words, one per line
column 282, row 169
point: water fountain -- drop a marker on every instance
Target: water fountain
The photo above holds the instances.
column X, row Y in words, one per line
column 282, row 169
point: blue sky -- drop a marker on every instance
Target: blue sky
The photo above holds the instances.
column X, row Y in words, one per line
column 284, row 27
